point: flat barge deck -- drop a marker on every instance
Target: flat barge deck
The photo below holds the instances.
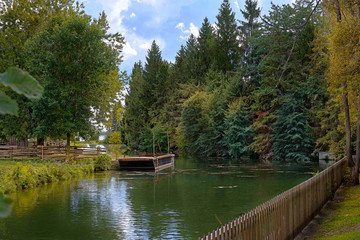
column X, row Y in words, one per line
column 147, row 162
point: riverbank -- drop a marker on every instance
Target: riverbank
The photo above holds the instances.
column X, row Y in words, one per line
column 25, row 174
column 339, row 219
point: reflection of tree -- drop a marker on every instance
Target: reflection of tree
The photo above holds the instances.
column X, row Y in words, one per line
column 177, row 204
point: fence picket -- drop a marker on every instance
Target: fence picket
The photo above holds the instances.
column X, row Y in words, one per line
column 285, row 215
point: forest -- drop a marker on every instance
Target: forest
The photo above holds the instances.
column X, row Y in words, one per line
column 280, row 86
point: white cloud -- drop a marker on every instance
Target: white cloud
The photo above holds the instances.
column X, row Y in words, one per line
column 180, row 26
column 192, row 30
column 114, row 10
column 136, row 46
column 128, row 51
column 134, row 28
column 132, row 15
column 237, row 4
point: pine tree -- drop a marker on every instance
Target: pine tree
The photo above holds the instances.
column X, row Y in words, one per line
column 248, row 28
column 237, row 131
column 292, row 141
column 207, row 44
column 227, row 34
column 250, row 32
column 152, row 67
column 135, row 112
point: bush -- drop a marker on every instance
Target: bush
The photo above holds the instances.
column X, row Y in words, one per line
column 102, row 162
column 28, row 175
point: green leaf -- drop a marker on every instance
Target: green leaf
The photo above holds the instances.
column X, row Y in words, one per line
column 7, row 105
column 5, row 206
column 22, row 83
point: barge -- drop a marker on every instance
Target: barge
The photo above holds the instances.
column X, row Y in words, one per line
column 147, row 162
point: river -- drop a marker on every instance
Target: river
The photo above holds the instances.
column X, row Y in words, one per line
column 181, row 203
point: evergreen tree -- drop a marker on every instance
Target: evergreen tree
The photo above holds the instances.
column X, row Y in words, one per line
column 227, row 35
column 237, row 131
column 207, row 46
column 248, row 28
column 135, row 112
column 152, row 68
column 292, row 140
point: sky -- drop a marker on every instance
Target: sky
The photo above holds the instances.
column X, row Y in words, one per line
column 168, row 22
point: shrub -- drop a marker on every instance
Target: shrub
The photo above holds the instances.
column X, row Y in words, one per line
column 28, row 175
column 102, row 162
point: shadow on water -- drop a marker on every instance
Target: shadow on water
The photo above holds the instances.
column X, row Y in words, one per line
column 180, row 203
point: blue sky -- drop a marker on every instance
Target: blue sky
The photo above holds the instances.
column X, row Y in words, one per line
column 168, row 22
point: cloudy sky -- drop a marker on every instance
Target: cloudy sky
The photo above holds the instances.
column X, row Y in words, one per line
column 168, row 22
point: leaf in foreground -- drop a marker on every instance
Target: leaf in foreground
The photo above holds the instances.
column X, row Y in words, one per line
column 7, row 105
column 22, row 83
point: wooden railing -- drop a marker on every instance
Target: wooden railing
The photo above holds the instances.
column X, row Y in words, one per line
column 48, row 152
column 284, row 216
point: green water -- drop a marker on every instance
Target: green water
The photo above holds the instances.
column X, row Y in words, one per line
column 180, row 203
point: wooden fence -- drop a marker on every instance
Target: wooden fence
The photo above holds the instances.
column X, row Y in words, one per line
column 284, row 216
column 47, row 152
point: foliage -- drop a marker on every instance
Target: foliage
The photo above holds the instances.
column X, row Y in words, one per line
column 115, row 138
column 238, row 133
column 228, row 84
column 154, row 137
column 102, row 162
column 292, row 140
column 227, row 37
column 18, row 175
column 78, row 68
column 201, row 123
column 22, row 83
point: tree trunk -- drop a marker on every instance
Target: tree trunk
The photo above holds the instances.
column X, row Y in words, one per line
column 12, row 140
column 40, row 141
column 338, row 12
column 22, row 142
column 68, row 147
column 347, row 126
column 355, row 169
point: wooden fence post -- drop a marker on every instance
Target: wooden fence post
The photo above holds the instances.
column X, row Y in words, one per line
column 42, row 153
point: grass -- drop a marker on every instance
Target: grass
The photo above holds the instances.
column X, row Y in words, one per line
column 343, row 220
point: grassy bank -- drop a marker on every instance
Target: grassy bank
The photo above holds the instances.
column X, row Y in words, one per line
column 342, row 221
column 23, row 174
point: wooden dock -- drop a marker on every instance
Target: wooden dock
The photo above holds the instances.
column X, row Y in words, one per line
column 155, row 162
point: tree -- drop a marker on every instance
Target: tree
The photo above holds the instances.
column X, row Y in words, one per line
column 135, row 112
column 20, row 20
column 238, row 133
column 344, row 69
column 207, row 47
column 201, row 123
column 78, row 61
column 227, row 35
column 248, row 28
column 292, row 141
column 153, row 65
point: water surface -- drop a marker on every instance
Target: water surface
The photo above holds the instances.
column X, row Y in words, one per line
column 181, row 203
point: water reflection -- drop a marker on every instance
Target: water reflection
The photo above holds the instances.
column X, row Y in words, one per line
column 175, row 204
